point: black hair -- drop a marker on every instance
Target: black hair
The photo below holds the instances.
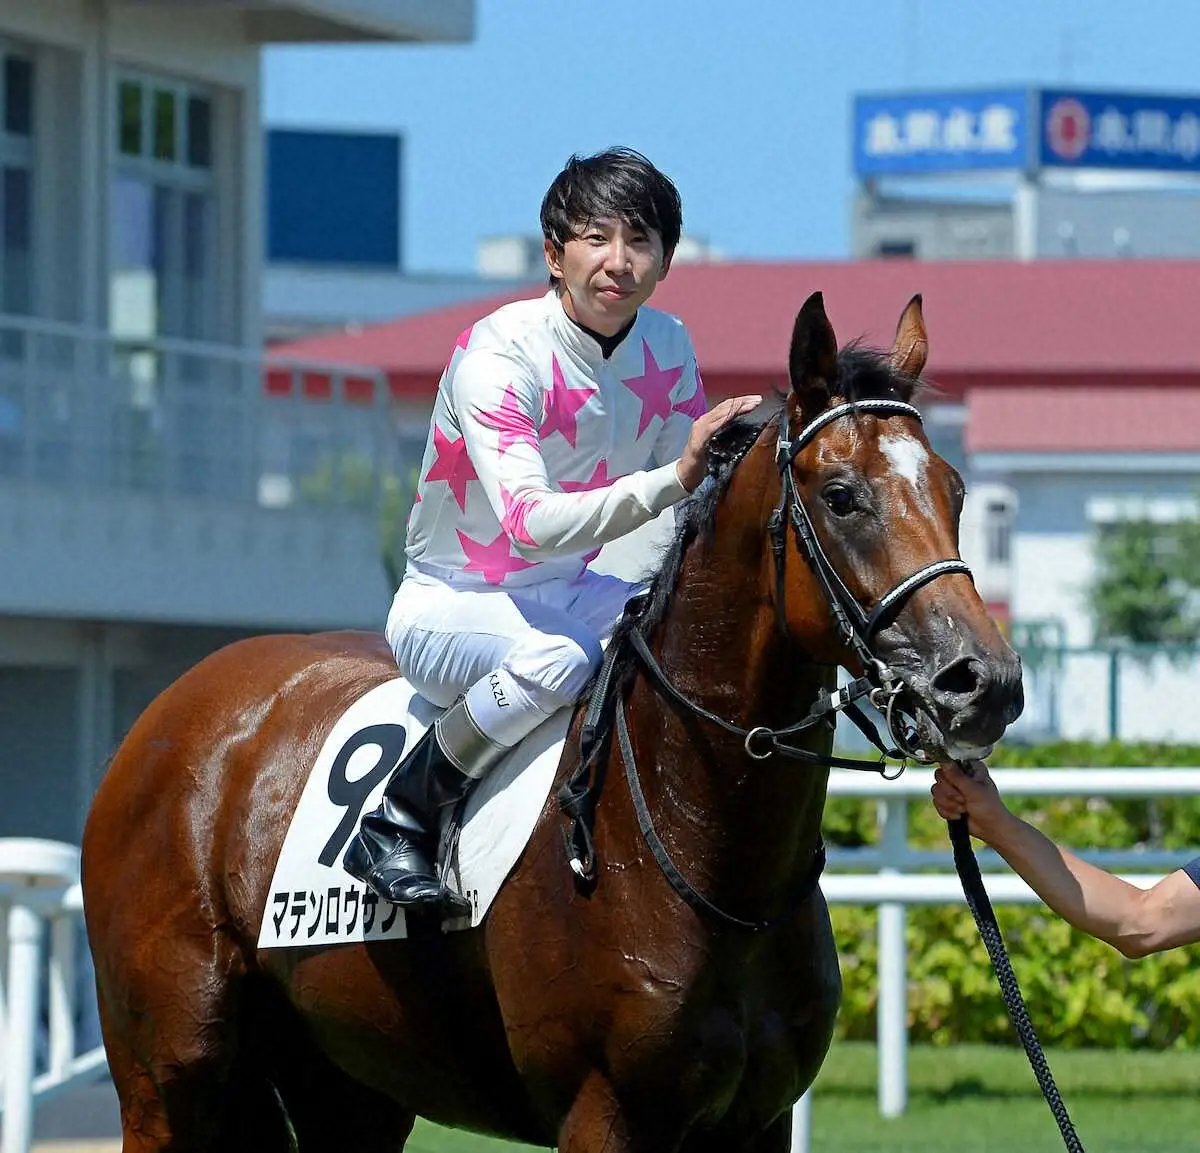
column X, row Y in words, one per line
column 618, row 183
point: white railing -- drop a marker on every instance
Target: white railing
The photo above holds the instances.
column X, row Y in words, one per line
column 40, row 901
column 40, row 898
column 891, row 884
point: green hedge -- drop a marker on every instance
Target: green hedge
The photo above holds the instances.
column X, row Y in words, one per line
column 1079, row 991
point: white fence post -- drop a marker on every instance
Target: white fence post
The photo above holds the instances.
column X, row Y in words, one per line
column 802, row 1124
column 62, row 995
column 3, row 979
column 34, row 876
column 24, row 959
column 892, row 1010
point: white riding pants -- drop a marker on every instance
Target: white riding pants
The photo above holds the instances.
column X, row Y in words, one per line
column 519, row 656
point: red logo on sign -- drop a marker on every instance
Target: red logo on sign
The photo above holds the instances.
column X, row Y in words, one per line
column 1068, row 129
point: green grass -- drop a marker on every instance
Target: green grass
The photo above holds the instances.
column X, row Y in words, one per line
column 976, row 1099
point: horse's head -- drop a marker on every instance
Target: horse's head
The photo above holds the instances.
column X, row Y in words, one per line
column 884, row 510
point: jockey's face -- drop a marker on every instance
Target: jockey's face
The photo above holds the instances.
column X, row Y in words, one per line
column 607, row 272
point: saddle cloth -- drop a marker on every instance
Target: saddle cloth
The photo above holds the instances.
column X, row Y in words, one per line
column 314, row 901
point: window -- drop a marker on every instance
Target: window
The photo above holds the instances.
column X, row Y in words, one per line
column 182, row 423
column 998, row 521
column 199, row 132
column 18, row 96
column 164, row 214
column 16, row 181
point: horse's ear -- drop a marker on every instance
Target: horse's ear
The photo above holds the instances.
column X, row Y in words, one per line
column 812, row 361
column 912, row 343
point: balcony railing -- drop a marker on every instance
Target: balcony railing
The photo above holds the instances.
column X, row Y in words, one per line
column 88, row 412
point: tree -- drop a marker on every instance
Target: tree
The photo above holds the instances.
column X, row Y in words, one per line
column 1144, row 586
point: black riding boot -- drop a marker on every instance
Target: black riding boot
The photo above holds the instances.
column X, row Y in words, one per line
column 396, row 845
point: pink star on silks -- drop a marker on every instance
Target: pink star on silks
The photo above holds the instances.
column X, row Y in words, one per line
column 494, row 560
column 514, row 425
column 598, row 479
column 588, row 557
column 696, row 405
column 515, row 512
column 653, row 387
column 562, row 403
column 451, row 464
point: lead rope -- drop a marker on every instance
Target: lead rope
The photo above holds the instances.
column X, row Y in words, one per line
column 989, row 930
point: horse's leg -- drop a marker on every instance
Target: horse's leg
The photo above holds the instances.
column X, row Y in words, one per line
column 598, row 1123
column 329, row 1112
column 143, row 1118
column 171, row 1044
column 171, row 1101
column 344, row 1116
column 332, row 1114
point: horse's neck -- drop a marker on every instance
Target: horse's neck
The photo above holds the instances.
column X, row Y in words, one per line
column 752, row 825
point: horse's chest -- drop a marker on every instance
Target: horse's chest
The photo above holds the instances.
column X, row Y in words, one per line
column 739, row 1044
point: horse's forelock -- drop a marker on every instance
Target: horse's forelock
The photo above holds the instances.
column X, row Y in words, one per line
column 866, row 373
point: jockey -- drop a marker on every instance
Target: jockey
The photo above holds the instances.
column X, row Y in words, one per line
column 560, row 424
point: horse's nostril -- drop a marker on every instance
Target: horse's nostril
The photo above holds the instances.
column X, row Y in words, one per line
column 960, row 678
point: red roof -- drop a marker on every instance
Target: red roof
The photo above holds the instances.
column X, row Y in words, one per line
column 1151, row 418
column 995, row 322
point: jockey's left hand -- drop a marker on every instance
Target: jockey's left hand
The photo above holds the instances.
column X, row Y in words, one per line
column 692, row 467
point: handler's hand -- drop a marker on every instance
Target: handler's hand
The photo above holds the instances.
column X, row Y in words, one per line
column 955, row 794
column 692, row 467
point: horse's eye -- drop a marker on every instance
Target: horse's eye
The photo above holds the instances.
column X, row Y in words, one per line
column 839, row 498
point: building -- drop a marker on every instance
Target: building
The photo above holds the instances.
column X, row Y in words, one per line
column 1026, row 174
column 155, row 499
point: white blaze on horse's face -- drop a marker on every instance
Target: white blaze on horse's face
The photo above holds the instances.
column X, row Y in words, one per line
column 909, row 459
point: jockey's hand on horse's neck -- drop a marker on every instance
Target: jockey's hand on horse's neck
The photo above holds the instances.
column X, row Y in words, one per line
column 692, row 467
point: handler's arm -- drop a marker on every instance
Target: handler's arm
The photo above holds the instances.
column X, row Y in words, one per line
column 1136, row 921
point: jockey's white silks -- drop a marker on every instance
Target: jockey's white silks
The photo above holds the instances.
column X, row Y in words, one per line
column 540, row 451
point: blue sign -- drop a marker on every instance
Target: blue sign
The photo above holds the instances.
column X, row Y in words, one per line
column 919, row 134
column 1114, row 130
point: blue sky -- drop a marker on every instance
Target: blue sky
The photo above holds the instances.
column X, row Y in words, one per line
column 746, row 106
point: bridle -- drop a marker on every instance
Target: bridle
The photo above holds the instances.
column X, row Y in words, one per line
column 856, row 628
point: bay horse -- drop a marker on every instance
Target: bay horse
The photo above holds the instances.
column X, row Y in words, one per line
column 617, row 1016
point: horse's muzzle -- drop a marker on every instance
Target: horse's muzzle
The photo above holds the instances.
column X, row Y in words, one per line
column 974, row 698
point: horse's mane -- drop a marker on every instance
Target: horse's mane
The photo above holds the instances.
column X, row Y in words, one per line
column 863, row 373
